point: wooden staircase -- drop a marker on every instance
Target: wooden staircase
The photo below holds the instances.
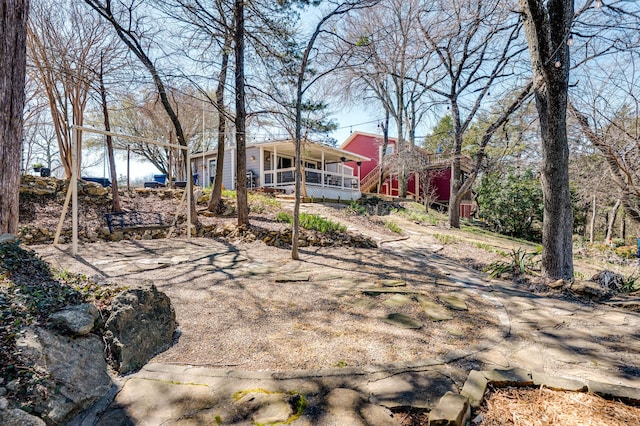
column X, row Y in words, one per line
column 370, row 181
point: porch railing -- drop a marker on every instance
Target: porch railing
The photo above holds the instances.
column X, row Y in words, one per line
column 322, row 178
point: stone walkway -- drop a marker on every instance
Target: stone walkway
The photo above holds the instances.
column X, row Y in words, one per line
column 558, row 337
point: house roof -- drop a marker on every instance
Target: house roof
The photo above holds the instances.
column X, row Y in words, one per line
column 357, row 133
column 309, row 149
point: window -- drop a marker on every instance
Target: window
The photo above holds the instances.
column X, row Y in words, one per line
column 285, row 162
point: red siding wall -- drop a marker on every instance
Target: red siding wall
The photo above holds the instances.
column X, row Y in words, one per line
column 369, row 145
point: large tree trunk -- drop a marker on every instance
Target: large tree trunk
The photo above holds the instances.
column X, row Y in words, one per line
column 215, row 204
column 241, row 116
column 547, row 24
column 13, row 35
column 455, row 197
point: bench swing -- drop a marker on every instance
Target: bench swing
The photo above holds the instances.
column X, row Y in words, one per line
column 124, row 221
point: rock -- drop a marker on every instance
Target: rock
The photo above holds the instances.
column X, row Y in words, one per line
column 18, row 417
column 434, row 311
column 141, row 324
column 8, row 238
column 393, row 283
column 474, row 388
column 265, row 407
column 556, row 284
column 76, row 365
column 77, row 320
column 398, row 300
column 454, row 302
column 452, row 410
column 609, row 280
column 401, row 320
column 591, row 289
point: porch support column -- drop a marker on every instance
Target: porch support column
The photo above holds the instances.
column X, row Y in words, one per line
column 261, row 168
column 275, row 166
column 322, row 175
column 417, row 179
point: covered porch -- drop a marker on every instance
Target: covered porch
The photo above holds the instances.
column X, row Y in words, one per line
column 325, row 173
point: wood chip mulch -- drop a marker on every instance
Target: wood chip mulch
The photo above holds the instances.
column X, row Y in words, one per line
column 542, row 406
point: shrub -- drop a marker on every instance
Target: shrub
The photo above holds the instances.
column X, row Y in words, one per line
column 521, row 262
column 393, row 227
column 627, row 252
column 512, row 205
column 312, row 222
column 284, row 217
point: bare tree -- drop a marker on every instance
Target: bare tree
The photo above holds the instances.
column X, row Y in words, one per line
column 13, row 34
column 388, row 64
column 65, row 46
column 302, row 85
column 475, row 42
column 208, row 25
column 130, row 30
column 142, row 114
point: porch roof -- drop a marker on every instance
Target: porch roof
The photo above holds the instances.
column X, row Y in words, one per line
column 311, row 150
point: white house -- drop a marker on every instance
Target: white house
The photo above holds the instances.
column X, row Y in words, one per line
column 271, row 165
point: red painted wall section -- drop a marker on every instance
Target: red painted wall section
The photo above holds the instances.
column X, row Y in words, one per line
column 367, row 145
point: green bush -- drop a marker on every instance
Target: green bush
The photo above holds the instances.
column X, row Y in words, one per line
column 512, row 204
column 320, row 224
column 445, row 238
column 312, row 222
column 284, row 217
column 357, row 208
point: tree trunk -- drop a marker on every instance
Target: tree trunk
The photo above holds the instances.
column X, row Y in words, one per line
column 215, row 204
column 13, row 53
column 455, row 198
column 385, row 144
column 547, row 24
column 241, row 116
column 612, row 221
column 592, row 225
column 115, row 205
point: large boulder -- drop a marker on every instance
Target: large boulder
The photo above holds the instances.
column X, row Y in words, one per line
column 76, row 365
column 141, row 324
